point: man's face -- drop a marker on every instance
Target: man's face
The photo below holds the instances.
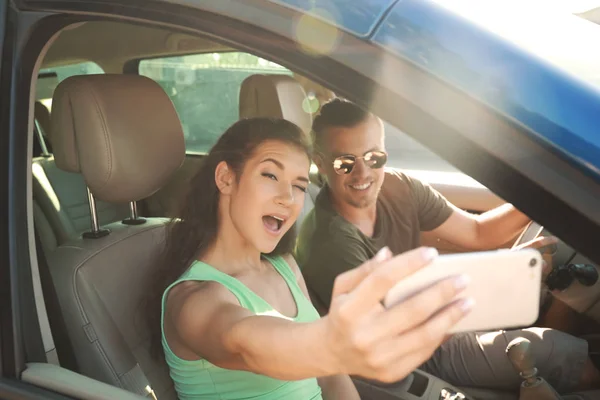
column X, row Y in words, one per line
column 360, row 187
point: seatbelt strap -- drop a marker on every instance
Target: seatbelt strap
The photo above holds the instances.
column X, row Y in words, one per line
column 52, row 313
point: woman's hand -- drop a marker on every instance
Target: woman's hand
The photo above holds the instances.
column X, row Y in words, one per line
column 369, row 340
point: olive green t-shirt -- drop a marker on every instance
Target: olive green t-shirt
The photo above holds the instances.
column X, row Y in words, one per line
column 329, row 245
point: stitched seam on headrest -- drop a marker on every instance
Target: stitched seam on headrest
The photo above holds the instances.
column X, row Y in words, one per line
column 256, row 101
column 106, row 136
column 73, row 126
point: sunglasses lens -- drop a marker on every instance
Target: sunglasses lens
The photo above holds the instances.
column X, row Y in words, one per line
column 343, row 165
column 375, row 159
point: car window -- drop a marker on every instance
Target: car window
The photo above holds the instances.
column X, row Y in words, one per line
column 49, row 78
column 406, row 153
column 205, row 90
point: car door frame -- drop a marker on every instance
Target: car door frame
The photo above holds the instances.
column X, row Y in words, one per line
column 550, row 189
column 20, row 334
column 418, row 120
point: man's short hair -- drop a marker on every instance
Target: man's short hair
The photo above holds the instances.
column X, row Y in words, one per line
column 336, row 113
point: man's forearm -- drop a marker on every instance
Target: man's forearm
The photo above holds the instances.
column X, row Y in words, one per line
column 498, row 226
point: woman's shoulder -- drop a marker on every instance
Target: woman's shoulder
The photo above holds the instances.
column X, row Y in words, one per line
column 190, row 304
column 195, row 296
column 186, row 291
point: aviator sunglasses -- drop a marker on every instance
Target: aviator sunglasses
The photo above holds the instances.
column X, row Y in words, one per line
column 373, row 159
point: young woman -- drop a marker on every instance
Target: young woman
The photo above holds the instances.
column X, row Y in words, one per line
column 231, row 309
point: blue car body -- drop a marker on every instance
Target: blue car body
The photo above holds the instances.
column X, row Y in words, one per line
column 524, row 87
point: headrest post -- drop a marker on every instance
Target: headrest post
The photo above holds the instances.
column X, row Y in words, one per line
column 41, row 140
column 133, row 210
column 96, row 232
column 133, row 216
column 93, row 211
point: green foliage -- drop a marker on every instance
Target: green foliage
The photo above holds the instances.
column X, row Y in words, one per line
column 205, row 90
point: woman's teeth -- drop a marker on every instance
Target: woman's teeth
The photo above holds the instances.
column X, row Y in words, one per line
column 279, row 222
column 273, row 223
column 361, row 187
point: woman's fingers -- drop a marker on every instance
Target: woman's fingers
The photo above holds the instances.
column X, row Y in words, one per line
column 387, row 344
column 417, row 309
column 394, row 358
column 373, row 288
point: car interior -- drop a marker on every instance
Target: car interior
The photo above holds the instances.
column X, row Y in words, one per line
column 123, row 114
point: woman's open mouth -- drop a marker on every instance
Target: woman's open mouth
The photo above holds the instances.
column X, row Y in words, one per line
column 273, row 223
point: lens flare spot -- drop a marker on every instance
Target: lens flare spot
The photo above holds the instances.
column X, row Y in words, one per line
column 310, row 104
column 314, row 36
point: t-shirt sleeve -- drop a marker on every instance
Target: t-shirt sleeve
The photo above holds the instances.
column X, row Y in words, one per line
column 432, row 207
column 330, row 258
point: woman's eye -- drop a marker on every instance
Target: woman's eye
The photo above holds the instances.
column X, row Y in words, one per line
column 301, row 188
column 270, row 176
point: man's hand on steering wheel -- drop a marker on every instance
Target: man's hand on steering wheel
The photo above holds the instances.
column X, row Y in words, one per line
column 545, row 244
column 542, row 243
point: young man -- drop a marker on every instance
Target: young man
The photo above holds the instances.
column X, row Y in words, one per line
column 364, row 207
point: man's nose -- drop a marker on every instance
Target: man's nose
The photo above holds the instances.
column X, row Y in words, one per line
column 360, row 168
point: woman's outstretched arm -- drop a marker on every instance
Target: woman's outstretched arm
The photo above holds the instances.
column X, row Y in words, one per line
column 358, row 336
column 334, row 387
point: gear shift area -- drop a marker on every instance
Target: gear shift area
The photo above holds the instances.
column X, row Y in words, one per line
column 419, row 385
column 533, row 387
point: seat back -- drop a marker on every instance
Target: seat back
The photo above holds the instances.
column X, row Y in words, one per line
column 111, row 129
column 279, row 96
column 62, row 198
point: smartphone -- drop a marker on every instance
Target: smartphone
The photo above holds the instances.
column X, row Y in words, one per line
column 532, row 231
column 505, row 285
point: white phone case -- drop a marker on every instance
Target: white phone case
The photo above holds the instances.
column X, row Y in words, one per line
column 504, row 284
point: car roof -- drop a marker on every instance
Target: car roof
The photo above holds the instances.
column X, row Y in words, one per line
column 490, row 62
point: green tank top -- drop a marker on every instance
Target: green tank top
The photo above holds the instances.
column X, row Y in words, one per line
column 200, row 379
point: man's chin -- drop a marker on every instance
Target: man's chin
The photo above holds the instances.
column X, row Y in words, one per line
column 362, row 203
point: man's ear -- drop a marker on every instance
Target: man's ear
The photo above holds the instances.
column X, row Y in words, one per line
column 318, row 160
column 224, row 178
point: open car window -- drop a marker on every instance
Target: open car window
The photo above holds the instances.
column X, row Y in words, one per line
column 205, row 90
column 49, row 78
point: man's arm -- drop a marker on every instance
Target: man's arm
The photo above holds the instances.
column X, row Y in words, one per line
column 489, row 230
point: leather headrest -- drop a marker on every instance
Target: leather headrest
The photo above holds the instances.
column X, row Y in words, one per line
column 275, row 96
column 120, row 131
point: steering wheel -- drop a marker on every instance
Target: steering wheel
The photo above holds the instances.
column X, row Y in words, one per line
column 562, row 254
column 563, row 273
column 531, row 232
